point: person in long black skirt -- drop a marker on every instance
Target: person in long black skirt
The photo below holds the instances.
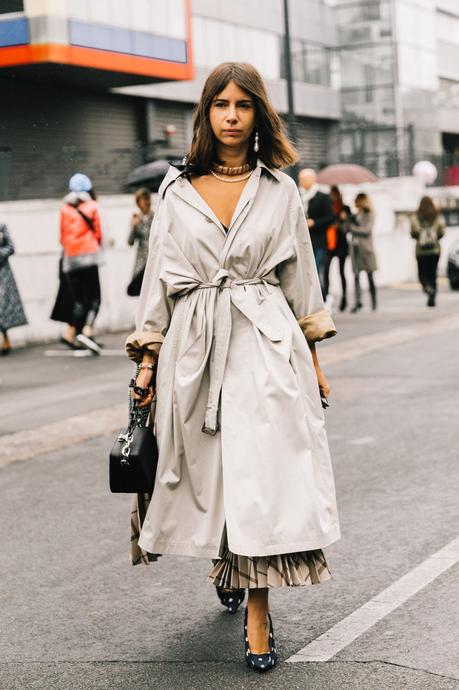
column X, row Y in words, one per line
column 427, row 228
column 341, row 213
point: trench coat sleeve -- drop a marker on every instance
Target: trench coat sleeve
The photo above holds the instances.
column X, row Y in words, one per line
column 364, row 226
column 7, row 246
column 155, row 307
column 133, row 233
column 299, row 280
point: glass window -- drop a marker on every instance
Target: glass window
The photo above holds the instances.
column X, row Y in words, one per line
column 216, row 41
column 367, row 66
column 310, row 62
column 7, row 6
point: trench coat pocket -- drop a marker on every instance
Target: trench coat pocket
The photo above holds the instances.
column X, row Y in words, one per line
column 317, row 326
column 140, row 341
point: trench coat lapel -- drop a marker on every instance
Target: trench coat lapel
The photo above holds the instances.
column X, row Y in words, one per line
column 185, row 190
column 243, row 207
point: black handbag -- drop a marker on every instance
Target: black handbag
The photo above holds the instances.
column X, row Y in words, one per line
column 134, row 457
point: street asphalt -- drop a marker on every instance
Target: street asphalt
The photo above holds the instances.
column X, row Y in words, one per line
column 75, row 614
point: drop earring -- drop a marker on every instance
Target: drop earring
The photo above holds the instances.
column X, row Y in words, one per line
column 256, row 145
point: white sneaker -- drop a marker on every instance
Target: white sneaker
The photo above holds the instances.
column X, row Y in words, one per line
column 329, row 302
column 89, row 343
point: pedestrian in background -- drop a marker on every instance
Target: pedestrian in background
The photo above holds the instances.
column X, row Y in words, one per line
column 232, row 304
column 11, row 309
column 140, row 233
column 81, row 239
column 360, row 226
column 427, row 228
column 319, row 212
column 340, row 250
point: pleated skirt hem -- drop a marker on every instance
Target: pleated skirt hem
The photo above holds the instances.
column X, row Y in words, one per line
column 286, row 570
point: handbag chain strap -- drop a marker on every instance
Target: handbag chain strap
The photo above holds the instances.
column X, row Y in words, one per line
column 134, row 420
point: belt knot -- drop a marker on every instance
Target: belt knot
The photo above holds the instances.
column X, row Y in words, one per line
column 221, row 278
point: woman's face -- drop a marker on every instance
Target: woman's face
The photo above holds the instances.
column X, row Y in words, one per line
column 144, row 203
column 232, row 116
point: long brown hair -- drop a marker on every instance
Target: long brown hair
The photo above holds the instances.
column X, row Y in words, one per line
column 427, row 211
column 276, row 151
column 363, row 201
column 335, row 195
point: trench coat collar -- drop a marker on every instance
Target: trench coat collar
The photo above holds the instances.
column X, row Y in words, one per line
column 176, row 178
column 175, row 172
column 276, row 174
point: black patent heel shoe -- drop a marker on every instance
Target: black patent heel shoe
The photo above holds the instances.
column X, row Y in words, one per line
column 231, row 598
column 260, row 662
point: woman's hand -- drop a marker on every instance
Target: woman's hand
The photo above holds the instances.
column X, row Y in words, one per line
column 144, row 380
column 324, row 386
column 323, row 383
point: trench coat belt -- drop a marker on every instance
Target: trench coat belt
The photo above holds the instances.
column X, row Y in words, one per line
column 223, row 282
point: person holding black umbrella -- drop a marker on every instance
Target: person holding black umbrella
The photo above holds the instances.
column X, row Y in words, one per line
column 140, row 233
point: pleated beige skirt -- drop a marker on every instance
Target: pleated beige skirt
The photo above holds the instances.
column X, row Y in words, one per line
column 231, row 571
column 287, row 570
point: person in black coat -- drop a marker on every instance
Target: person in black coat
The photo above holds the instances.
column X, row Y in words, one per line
column 341, row 214
column 319, row 212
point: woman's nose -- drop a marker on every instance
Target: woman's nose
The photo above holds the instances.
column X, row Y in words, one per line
column 231, row 115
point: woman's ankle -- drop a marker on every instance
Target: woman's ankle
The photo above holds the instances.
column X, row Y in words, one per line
column 258, row 602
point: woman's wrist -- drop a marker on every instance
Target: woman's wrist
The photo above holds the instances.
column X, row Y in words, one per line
column 149, row 357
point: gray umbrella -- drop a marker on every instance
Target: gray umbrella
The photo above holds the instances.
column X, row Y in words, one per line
column 149, row 175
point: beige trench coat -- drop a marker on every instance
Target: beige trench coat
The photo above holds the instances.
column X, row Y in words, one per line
column 363, row 255
column 239, row 421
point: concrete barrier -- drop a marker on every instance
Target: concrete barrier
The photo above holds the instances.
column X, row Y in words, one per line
column 33, row 226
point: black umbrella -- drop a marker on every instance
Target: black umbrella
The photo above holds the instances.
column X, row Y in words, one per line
column 149, row 175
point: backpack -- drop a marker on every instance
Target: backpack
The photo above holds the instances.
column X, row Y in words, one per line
column 428, row 238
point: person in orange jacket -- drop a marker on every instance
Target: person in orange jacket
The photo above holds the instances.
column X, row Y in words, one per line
column 81, row 240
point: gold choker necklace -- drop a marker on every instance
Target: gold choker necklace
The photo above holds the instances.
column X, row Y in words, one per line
column 225, row 170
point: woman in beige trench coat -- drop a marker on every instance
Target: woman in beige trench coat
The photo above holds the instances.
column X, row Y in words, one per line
column 231, row 303
column 363, row 255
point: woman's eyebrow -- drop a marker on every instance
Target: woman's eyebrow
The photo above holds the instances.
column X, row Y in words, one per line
column 225, row 100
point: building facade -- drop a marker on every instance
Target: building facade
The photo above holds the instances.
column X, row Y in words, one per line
column 253, row 31
column 59, row 61
column 399, row 83
column 85, row 117
column 105, row 86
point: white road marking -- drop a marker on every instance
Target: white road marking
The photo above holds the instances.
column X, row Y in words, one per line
column 84, row 353
column 28, row 443
column 357, row 347
column 363, row 441
column 350, row 628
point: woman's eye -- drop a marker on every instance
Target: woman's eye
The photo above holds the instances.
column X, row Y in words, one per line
column 245, row 106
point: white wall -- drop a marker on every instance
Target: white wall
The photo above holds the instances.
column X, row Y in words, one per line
column 394, row 199
column 33, row 226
